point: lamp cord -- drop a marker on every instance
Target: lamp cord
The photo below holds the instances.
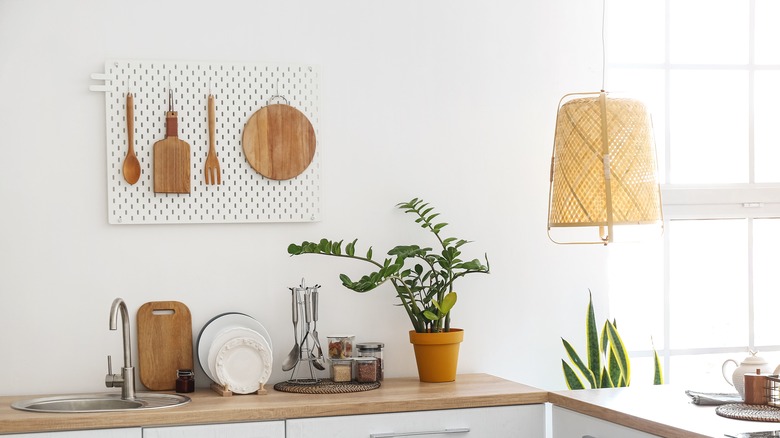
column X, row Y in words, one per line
column 603, row 45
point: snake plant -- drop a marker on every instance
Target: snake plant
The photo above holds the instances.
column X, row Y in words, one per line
column 423, row 279
column 608, row 363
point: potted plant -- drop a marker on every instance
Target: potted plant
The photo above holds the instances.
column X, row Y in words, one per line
column 608, row 363
column 423, row 280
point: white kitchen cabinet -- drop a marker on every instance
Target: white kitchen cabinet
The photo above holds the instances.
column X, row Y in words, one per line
column 131, row 432
column 256, row 429
column 492, row 422
column 570, row 424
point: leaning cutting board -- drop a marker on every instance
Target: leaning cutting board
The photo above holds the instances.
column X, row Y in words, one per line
column 279, row 142
column 164, row 343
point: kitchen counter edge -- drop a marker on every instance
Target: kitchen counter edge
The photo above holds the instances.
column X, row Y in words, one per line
column 663, row 410
column 207, row 407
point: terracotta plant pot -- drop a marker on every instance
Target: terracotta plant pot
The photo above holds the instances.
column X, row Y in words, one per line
column 437, row 354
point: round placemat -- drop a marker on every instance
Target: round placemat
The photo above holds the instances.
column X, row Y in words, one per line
column 325, row 386
column 742, row 411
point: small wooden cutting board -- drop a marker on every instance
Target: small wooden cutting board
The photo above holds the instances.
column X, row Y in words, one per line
column 171, row 159
column 164, row 343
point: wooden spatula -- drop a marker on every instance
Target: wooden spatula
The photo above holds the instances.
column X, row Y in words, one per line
column 171, row 157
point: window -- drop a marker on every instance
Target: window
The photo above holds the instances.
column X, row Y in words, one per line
column 710, row 72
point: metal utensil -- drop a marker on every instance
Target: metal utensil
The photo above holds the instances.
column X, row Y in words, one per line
column 307, row 305
column 295, row 354
column 212, row 170
column 131, row 168
column 315, row 314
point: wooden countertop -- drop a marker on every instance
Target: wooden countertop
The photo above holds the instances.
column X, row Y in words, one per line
column 660, row 410
column 395, row 395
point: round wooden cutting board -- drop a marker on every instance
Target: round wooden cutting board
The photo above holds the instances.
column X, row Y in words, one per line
column 279, row 142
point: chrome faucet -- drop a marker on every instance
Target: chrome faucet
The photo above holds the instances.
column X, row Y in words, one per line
column 127, row 378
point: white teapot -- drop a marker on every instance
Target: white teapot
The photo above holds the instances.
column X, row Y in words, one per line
column 749, row 365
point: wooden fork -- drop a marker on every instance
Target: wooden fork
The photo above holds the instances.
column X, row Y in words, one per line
column 212, row 171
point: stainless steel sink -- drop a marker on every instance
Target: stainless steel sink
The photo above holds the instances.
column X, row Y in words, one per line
column 100, row 403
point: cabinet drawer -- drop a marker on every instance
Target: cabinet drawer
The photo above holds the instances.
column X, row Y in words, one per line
column 98, row 433
column 493, row 422
column 570, row 424
column 258, row 429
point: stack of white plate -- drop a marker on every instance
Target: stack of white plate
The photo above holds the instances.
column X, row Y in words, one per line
column 235, row 351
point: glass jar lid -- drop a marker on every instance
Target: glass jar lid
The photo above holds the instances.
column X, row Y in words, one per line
column 370, row 346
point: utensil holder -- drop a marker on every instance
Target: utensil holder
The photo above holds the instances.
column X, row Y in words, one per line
column 304, row 367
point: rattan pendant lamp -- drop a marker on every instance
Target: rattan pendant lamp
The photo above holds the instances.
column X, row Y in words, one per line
column 603, row 172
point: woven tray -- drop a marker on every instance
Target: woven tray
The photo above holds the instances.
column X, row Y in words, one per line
column 325, row 386
column 749, row 412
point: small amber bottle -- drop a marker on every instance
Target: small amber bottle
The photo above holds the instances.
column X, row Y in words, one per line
column 185, row 382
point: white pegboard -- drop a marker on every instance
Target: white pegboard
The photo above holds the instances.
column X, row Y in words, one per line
column 239, row 90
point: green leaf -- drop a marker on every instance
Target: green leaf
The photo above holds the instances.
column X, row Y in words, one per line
column 324, row 246
column 579, row 363
column 351, row 248
column 370, row 253
column 448, row 302
column 438, row 227
column 336, row 248
column 621, row 354
column 430, row 315
column 392, row 269
column 592, row 341
column 572, row 381
column 345, row 280
column 294, row 249
column 473, row 265
column 658, row 374
column 606, row 380
column 613, row 369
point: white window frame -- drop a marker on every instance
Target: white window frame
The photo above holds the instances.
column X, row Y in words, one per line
column 710, row 201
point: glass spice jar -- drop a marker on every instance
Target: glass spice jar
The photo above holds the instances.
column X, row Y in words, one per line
column 373, row 349
column 341, row 370
column 366, row 369
column 185, row 382
column 340, row 346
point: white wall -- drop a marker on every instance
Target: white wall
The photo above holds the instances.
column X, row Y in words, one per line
column 450, row 100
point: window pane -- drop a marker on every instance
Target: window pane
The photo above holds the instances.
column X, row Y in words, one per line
column 767, row 114
column 636, row 293
column 643, row 370
column 709, row 31
column 702, row 372
column 635, row 31
column 648, row 86
column 708, row 283
column 767, row 32
column 766, row 278
column 709, row 126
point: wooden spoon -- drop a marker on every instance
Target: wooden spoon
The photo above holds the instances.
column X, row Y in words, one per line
column 131, row 168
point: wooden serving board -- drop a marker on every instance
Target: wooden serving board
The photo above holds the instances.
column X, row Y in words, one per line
column 279, row 142
column 171, row 159
column 164, row 343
